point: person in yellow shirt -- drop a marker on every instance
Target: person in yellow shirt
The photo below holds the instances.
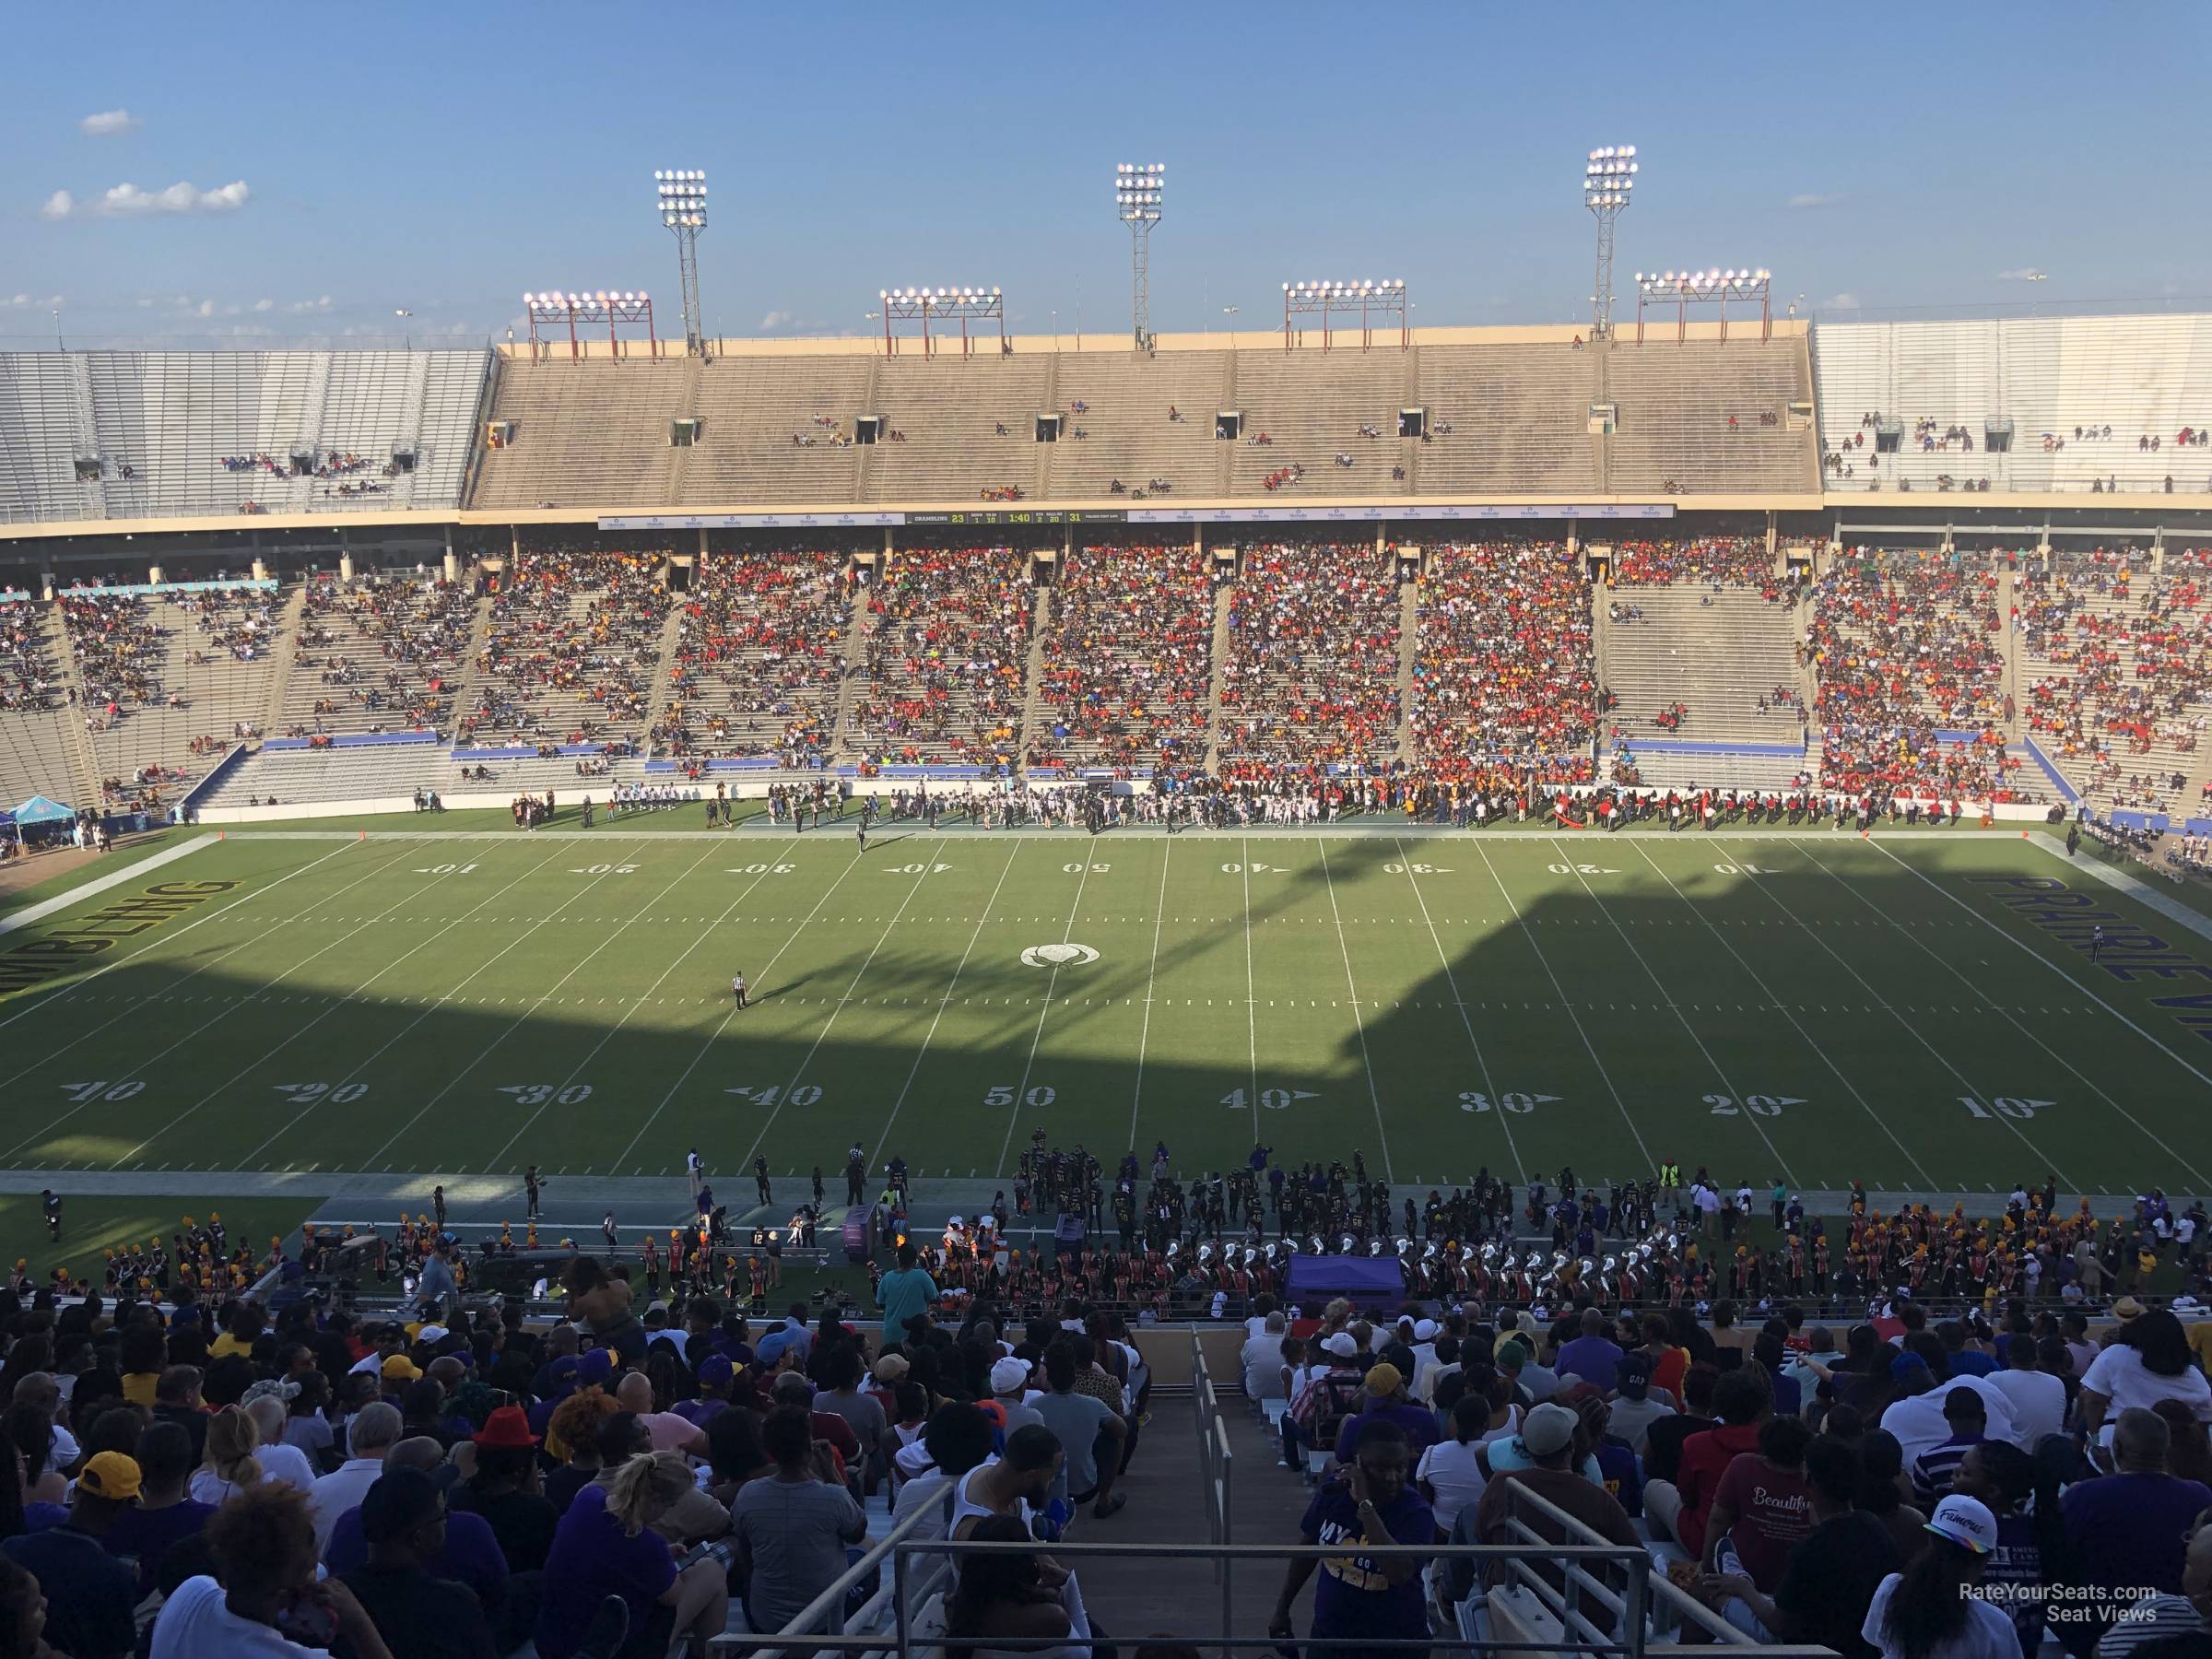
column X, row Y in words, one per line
column 239, row 1336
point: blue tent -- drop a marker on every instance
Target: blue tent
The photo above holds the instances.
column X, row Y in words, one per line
column 41, row 810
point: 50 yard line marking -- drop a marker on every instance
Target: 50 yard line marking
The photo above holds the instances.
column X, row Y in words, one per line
column 1465, row 1023
column 75, row 985
column 1668, row 997
column 1559, row 991
column 2032, row 956
column 1811, row 1041
column 715, row 1036
column 839, row 1007
column 951, row 986
column 604, row 940
column 1022, row 1090
column 1144, row 1036
column 1358, row 1020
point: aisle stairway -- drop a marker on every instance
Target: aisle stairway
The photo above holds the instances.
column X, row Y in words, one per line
column 1409, row 654
column 1035, row 716
column 1220, row 659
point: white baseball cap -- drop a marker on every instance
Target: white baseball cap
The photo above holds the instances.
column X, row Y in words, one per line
column 1009, row 1374
column 1342, row 1345
column 1966, row 1522
column 1426, row 1330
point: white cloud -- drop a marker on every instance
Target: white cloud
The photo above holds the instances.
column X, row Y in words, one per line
column 263, row 305
column 128, row 201
column 1814, row 199
column 107, row 123
column 321, row 305
column 776, row 319
column 30, row 302
column 205, row 307
column 2023, row 273
column 1840, row 302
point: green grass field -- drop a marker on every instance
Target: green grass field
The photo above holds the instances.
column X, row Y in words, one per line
column 437, row 999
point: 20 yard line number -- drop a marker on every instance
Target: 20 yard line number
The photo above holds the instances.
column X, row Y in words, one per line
column 307, row 1094
column 1757, row 1105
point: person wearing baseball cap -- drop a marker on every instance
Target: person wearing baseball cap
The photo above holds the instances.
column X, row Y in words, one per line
column 1634, row 1409
column 1387, row 1402
column 1931, row 1608
column 90, row 1593
column 1542, row 1458
column 1010, row 1384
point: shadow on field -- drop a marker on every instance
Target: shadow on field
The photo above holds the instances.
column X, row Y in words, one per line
column 1518, row 1044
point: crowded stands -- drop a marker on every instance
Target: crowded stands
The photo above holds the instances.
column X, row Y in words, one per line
column 759, row 658
column 384, row 653
column 1911, row 678
column 1718, row 561
column 573, row 646
column 1127, row 661
column 946, row 660
column 1505, row 675
column 1311, row 678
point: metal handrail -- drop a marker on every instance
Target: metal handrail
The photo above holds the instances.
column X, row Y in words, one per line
column 828, row 1609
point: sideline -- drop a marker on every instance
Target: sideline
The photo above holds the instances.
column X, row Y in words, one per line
column 99, row 885
column 903, row 829
column 2135, row 887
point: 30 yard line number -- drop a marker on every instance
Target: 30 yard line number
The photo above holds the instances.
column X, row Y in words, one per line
column 540, row 1094
column 1515, row 1102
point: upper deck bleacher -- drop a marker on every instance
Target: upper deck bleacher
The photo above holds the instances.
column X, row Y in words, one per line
column 183, row 434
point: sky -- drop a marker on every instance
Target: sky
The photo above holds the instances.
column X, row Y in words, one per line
column 253, row 175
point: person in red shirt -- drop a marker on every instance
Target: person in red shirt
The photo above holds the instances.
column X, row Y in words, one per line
column 1741, row 1401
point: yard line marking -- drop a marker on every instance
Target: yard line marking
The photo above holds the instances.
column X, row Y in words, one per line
column 455, row 1081
column 1543, row 962
column 2090, row 1083
column 75, row 985
column 298, row 1031
column 231, row 1007
column 952, row 984
column 731, row 1013
column 1359, row 1023
column 1811, row 1041
column 1465, row 1023
column 1780, row 1163
column 576, row 1071
column 839, row 1008
column 1251, row 1015
column 1030, row 1066
column 353, row 1074
column 1143, row 1034
column 1897, row 1014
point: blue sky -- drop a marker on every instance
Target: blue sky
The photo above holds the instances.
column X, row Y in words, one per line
column 340, row 165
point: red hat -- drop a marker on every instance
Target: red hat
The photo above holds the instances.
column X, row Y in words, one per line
column 507, row 1427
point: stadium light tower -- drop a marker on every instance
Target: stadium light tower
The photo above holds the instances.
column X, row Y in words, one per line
column 1136, row 198
column 681, row 194
column 1608, row 180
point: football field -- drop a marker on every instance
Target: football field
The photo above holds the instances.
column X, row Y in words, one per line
column 1916, row 1011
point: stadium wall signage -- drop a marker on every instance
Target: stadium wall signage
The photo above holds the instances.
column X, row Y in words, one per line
column 2130, row 951
column 37, row 960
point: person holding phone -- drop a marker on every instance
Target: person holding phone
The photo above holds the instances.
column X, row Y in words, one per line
column 1360, row 1597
